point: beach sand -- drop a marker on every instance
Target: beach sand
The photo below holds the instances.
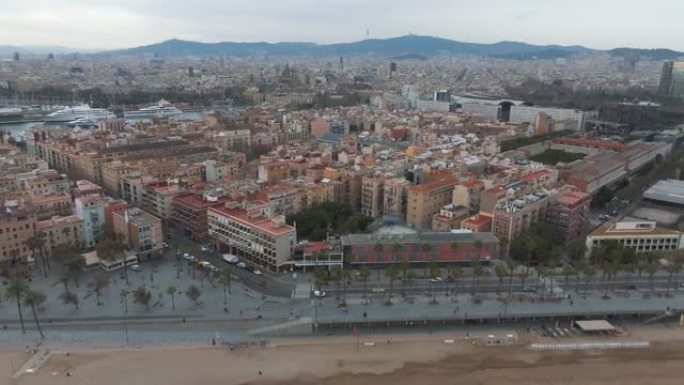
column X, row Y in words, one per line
column 406, row 360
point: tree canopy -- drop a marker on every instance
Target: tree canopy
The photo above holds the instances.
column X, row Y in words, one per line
column 327, row 217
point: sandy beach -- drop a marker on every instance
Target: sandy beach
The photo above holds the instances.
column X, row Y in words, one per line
column 405, row 360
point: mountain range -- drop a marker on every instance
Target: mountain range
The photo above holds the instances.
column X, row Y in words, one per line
column 409, row 46
column 396, row 48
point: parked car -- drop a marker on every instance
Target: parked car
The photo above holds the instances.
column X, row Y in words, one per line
column 165, row 245
column 205, row 248
column 136, row 267
column 241, row 265
column 230, row 258
column 318, row 293
column 257, row 272
column 436, row 279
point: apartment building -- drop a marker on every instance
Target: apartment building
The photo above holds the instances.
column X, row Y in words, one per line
column 47, row 206
column 60, row 231
column 247, row 230
column 468, row 194
column 569, row 214
column 372, row 188
column 17, row 225
column 84, row 187
column 449, row 217
column 427, row 199
column 111, row 176
column 515, row 214
column 157, row 198
column 189, row 214
column 91, row 209
column 141, row 231
column 395, row 200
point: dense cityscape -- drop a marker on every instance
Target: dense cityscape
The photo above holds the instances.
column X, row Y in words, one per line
column 155, row 198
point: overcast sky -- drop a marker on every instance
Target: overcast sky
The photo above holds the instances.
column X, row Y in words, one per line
column 127, row 23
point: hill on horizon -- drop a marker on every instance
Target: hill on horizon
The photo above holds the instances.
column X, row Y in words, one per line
column 402, row 47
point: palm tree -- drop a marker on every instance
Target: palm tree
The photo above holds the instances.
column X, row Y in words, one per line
column 404, row 276
column 457, row 273
column 398, row 248
column 478, row 248
column 225, row 277
column 193, row 293
column 478, row 272
column 674, row 266
column 36, row 244
column 171, row 291
column 113, row 250
column 501, row 272
column 124, row 298
column 69, row 298
column 378, row 247
column 336, row 276
column 434, row 273
column 454, row 246
column 142, row 296
column 343, row 276
column 16, row 290
column 320, row 278
column 99, row 283
column 651, row 268
column 523, row 275
column 511, row 265
column 426, row 249
column 392, row 273
column 589, row 271
column 74, row 267
column 579, row 265
column 35, row 299
column 568, row 270
column 364, row 273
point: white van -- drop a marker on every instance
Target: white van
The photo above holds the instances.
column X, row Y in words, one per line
column 230, row 258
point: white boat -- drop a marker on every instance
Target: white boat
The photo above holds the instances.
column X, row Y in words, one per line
column 163, row 108
column 83, row 122
column 10, row 112
column 79, row 112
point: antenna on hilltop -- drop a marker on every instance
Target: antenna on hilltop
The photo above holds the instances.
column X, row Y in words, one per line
column 367, row 33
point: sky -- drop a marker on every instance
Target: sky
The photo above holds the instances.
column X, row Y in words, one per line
column 106, row 24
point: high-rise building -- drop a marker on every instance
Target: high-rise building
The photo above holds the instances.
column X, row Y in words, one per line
column 672, row 79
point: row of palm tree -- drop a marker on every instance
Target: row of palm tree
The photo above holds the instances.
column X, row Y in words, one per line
column 18, row 291
column 426, row 249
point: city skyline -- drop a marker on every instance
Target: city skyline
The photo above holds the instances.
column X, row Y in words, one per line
column 110, row 24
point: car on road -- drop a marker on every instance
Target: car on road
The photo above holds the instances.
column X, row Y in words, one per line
column 241, row 265
column 529, row 288
column 436, row 279
column 318, row 293
column 136, row 267
column 165, row 245
column 230, row 258
column 205, row 248
column 257, row 272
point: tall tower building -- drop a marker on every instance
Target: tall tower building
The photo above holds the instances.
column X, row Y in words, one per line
column 672, row 79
